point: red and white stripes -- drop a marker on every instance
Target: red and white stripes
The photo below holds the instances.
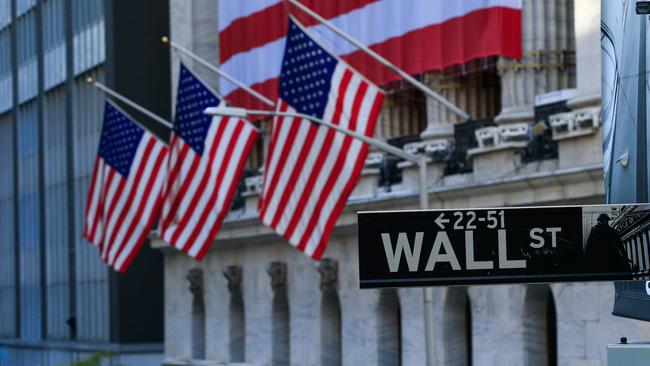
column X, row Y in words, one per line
column 119, row 211
column 311, row 170
column 416, row 35
column 199, row 189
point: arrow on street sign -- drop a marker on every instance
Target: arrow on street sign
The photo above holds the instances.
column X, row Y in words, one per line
column 441, row 220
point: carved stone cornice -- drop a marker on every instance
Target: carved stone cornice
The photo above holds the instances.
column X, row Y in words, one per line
column 234, row 277
column 195, row 278
column 329, row 273
column 278, row 273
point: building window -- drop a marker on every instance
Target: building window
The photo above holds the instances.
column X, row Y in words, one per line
column 540, row 327
column 389, row 329
column 8, row 285
column 195, row 278
column 458, row 327
column 330, row 329
column 237, row 320
column 280, row 330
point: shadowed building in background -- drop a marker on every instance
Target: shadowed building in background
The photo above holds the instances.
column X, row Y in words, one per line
column 59, row 302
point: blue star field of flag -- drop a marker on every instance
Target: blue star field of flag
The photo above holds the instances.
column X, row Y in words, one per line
column 119, row 141
column 306, row 76
column 191, row 100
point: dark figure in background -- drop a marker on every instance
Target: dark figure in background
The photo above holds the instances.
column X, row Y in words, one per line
column 605, row 251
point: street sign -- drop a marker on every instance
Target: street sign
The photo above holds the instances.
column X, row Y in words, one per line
column 503, row 245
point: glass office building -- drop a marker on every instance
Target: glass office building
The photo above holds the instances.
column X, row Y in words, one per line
column 58, row 301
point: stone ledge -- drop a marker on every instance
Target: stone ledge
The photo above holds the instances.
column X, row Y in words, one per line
column 500, row 147
column 546, row 186
column 575, row 134
column 588, row 100
column 81, row 346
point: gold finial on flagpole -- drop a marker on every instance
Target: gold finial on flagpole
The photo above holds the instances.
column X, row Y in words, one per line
column 165, row 39
column 90, row 80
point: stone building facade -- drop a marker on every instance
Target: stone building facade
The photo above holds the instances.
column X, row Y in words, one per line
column 260, row 302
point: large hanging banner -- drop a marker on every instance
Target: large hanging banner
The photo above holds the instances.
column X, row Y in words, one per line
column 416, row 35
column 503, row 245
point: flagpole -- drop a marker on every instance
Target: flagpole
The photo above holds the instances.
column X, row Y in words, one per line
column 128, row 101
column 381, row 145
column 416, row 83
column 218, row 71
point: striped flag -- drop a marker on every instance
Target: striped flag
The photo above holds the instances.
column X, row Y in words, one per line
column 124, row 196
column 205, row 163
column 311, row 169
column 416, row 35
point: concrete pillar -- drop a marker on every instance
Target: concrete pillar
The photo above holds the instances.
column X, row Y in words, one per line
column 440, row 122
column 193, row 24
column 547, row 65
column 547, row 62
column 586, row 17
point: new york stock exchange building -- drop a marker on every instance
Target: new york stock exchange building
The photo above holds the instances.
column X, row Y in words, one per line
column 522, row 127
column 535, row 139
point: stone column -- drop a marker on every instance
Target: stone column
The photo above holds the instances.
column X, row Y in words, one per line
column 440, row 122
column 233, row 275
column 330, row 313
column 578, row 132
column 193, row 24
column 196, row 283
column 587, row 39
column 278, row 273
column 236, row 314
column 547, row 63
column 329, row 274
column 280, row 327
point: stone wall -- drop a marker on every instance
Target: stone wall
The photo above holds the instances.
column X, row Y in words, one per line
column 584, row 322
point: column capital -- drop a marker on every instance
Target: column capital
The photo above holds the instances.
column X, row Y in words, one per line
column 195, row 278
column 329, row 273
column 278, row 273
column 233, row 275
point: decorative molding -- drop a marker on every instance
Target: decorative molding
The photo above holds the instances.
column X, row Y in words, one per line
column 278, row 273
column 329, row 273
column 195, row 278
column 502, row 137
column 253, row 185
column 234, row 277
column 580, row 122
column 373, row 159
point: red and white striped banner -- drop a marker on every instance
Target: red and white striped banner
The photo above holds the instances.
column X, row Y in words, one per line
column 416, row 35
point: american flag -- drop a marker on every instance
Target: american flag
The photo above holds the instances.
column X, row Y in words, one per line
column 205, row 163
column 310, row 169
column 124, row 195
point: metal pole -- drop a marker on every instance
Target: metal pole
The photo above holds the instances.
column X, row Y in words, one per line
column 427, row 292
column 425, row 89
column 218, row 71
column 381, row 145
column 128, row 101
